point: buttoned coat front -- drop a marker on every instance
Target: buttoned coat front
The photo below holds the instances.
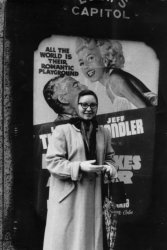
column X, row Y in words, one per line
column 74, row 219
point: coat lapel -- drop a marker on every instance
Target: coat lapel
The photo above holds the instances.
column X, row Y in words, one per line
column 100, row 146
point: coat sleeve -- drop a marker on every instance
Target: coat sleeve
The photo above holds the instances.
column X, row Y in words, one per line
column 56, row 157
column 109, row 153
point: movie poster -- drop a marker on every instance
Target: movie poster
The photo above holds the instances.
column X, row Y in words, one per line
column 126, row 107
column 135, row 58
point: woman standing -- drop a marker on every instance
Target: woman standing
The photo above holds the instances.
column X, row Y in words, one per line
column 77, row 155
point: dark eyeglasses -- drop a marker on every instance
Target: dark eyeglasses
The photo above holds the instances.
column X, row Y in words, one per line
column 85, row 105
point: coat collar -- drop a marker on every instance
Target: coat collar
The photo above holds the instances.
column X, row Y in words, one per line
column 100, row 143
column 76, row 123
column 79, row 130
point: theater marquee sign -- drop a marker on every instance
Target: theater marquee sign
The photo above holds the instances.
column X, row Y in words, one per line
column 109, row 9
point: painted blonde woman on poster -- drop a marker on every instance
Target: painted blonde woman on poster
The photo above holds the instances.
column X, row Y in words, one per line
column 103, row 60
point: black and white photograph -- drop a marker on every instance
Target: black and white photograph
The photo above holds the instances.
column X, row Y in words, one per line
column 83, row 125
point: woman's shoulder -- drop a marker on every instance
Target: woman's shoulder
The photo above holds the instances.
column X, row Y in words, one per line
column 102, row 129
column 120, row 76
column 116, row 78
column 105, row 133
column 65, row 127
column 62, row 127
column 121, row 72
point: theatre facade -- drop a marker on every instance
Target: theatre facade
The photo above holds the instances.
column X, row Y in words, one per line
column 44, row 40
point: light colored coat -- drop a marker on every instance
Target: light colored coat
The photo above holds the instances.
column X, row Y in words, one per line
column 74, row 219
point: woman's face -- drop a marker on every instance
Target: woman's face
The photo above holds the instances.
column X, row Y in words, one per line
column 91, row 63
column 87, row 107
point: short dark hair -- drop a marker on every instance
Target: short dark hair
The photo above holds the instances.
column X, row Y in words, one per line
column 87, row 92
column 49, row 92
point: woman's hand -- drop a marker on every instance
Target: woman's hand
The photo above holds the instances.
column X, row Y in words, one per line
column 110, row 170
column 88, row 166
